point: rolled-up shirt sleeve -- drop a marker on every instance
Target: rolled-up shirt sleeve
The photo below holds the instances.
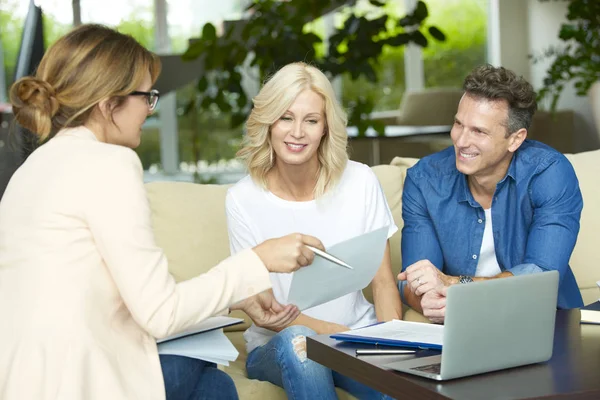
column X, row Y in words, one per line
column 524, row 269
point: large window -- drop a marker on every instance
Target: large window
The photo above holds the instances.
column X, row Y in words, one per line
column 57, row 21
column 12, row 17
column 205, row 139
column 387, row 92
column 187, row 17
column 443, row 64
column 465, row 24
column 206, row 142
column 134, row 17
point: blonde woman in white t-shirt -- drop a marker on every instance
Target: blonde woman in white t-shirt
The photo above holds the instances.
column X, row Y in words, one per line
column 300, row 180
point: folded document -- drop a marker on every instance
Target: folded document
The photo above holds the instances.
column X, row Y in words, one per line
column 205, row 341
column 397, row 333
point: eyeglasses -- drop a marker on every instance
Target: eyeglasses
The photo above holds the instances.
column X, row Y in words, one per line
column 151, row 97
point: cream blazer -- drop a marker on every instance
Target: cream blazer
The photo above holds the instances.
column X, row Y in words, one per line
column 84, row 289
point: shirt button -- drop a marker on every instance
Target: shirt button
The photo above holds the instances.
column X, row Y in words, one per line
column 480, row 220
column 474, row 256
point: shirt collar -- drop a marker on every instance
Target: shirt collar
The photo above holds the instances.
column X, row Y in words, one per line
column 464, row 193
column 512, row 169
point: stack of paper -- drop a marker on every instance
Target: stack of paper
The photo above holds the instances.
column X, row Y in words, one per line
column 205, row 341
column 590, row 316
column 397, row 333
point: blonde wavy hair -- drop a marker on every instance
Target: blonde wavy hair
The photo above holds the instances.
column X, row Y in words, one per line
column 85, row 66
column 273, row 100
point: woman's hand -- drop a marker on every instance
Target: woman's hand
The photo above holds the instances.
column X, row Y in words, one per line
column 266, row 312
column 287, row 253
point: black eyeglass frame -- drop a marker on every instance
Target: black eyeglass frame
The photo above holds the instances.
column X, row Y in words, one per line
column 152, row 97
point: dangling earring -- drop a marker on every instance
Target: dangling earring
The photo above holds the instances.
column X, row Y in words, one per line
column 271, row 157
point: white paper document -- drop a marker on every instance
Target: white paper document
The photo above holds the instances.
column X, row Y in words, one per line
column 208, row 324
column 211, row 346
column 401, row 331
column 323, row 280
column 590, row 317
column 205, row 341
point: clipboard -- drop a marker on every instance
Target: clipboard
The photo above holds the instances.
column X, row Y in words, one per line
column 396, row 333
column 386, row 342
column 209, row 324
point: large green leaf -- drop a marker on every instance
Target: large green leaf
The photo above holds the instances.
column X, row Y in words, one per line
column 209, row 32
column 436, row 33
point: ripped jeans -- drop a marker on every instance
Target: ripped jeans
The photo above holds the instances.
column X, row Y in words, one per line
column 282, row 361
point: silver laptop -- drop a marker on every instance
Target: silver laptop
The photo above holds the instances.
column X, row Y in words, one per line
column 492, row 325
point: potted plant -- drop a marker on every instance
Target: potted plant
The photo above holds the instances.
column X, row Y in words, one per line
column 275, row 34
column 578, row 60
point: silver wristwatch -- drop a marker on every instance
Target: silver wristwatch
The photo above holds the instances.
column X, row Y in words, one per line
column 465, row 279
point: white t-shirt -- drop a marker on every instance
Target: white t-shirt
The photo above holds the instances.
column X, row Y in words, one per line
column 487, row 265
column 355, row 206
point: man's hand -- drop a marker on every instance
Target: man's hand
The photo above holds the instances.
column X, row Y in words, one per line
column 434, row 304
column 267, row 313
column 423, row 276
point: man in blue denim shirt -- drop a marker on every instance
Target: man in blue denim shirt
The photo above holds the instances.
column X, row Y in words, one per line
column 492, row 206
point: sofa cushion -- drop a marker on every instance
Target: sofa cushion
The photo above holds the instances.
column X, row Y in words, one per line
column 189, row 224
column 585, row 260
column 391, row 178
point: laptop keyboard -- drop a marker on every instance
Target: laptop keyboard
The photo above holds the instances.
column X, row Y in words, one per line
column 431, row 368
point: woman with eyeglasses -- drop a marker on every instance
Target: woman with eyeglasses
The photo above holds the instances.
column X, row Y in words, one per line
column 84, row 289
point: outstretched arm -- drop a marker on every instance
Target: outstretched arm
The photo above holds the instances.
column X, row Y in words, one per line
column 385, row 290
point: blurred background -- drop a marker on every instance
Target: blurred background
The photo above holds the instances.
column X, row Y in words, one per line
column 408, row 79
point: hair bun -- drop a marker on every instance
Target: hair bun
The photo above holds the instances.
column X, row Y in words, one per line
column 34, row 104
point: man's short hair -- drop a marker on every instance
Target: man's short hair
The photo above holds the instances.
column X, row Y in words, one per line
column 498, row 83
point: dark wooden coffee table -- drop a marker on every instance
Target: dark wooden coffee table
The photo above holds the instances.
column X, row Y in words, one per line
column 573, row 371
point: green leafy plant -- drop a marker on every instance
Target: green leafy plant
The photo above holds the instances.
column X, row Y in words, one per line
column 578, row 60
column 275, row 34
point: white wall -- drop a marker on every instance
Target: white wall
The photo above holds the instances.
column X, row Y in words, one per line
column 525, row 28
column 513, row 40
column 545, row 19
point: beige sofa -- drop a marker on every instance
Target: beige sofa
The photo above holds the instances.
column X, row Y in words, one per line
column 189, row 223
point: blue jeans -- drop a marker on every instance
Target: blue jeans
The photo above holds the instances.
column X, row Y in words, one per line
column 190, row 379
column 282, row 361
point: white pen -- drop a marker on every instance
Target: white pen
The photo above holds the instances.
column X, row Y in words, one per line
column 382, row 352
column 328, row 256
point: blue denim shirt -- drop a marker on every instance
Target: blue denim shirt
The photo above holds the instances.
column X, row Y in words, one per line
column 535, row 211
